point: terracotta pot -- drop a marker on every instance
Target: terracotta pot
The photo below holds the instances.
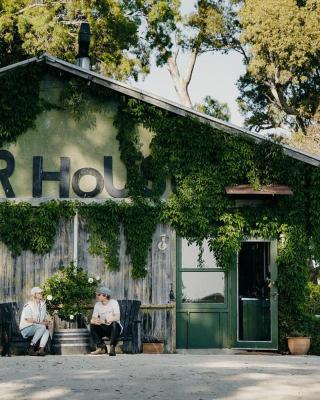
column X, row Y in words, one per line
column 299, row 345
column 153, row 348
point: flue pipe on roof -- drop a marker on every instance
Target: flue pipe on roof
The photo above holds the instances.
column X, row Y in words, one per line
column 83, row 59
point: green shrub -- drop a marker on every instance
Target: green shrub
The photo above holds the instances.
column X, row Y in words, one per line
column 69, row 291
column 314, row 332
column 313, row 300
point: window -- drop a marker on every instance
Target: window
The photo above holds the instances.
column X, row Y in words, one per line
column 202, row 287
column 200, row 279
column 191, row 256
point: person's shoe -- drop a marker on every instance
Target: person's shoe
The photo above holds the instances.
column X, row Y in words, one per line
column 112, row 351
column 41, row 352
column 99, row 350
column 6, row 351
column 32, row 351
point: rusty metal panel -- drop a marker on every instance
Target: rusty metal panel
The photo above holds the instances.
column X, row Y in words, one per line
column 269, row 190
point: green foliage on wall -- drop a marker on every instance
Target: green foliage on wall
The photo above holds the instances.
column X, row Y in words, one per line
column 201, row 161
column 139, row 220
column 21, row 87
column 129, row 147
column 23, row 227
column 104, row 227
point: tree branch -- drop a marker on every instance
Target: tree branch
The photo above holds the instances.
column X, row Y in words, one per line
column 280, row 99
column 179, row 83
column 29, row 7
column 239, row 49
column 190, row 67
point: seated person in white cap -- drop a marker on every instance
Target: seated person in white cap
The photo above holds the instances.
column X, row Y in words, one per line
column 34, row 322
column 105, row 321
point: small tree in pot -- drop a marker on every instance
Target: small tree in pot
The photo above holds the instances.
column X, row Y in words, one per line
column 69, row 291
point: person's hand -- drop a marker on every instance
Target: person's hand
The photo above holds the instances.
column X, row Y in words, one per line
column 96, row 321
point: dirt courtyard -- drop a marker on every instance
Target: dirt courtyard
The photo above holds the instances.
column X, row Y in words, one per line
column 167, row 377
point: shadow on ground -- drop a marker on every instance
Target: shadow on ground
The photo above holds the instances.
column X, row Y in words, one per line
column 187, row 377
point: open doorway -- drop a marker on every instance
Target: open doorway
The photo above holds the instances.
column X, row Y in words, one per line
column 256, row 300
column 254, row 292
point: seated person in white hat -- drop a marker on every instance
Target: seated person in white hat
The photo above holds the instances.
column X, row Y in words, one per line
column 34, row 322
column 105, row 321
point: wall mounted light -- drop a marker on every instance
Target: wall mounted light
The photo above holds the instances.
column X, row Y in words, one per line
column 162, row 245
column 282, row 239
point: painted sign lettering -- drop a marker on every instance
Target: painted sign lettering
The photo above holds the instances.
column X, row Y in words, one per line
column 6, row 172
column 63, row 178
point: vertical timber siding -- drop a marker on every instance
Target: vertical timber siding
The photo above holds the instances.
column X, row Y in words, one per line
column 152, row 291
column 19, row 274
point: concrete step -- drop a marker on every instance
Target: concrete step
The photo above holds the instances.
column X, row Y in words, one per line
column 67, row 331
column 70, row 336
column 70, row 341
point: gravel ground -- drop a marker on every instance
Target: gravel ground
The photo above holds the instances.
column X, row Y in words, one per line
column 170, row 377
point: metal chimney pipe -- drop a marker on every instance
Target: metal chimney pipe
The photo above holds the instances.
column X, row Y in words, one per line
column 83, row 59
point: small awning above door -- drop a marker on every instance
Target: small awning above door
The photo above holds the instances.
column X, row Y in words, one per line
column 266, row 190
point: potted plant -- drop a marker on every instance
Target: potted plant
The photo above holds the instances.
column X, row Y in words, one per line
column 69, row 294
column 152, row 344
column 298, row 343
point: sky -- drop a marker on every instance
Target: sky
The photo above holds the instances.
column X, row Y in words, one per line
column 214, row 75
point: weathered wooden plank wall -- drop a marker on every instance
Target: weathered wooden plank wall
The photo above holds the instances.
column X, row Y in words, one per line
column 19, row 274
column 152, row 290
column 159, row 323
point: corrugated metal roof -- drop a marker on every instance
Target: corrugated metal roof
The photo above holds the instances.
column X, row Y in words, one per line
column 161, row 103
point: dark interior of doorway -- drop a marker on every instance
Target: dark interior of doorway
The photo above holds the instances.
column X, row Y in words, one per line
column 254, row 292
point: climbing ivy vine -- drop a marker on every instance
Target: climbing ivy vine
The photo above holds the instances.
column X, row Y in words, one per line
column 200, row 161
column 104, row 227
column 139, row 220
column 24, row 227
column 20, row 87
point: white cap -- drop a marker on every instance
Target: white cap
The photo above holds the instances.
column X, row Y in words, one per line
column 35, row 290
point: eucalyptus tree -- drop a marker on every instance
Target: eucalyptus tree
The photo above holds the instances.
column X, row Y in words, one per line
column 126, row 34
column 214, row 108
column 282, row 85
column 29, row 27
column 170, row 34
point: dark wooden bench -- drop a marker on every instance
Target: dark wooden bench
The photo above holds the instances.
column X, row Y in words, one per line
column 10, row 333
column 131, row 333
column 11, row 338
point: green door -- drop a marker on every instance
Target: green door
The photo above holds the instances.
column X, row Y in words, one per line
column 202, row 301
column 254, row 297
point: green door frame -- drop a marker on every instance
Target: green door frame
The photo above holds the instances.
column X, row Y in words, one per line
column 233, row 290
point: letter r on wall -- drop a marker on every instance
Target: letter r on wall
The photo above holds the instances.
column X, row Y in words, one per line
column 6, row 172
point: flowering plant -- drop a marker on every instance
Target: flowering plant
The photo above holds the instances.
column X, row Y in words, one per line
column 69, row 291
